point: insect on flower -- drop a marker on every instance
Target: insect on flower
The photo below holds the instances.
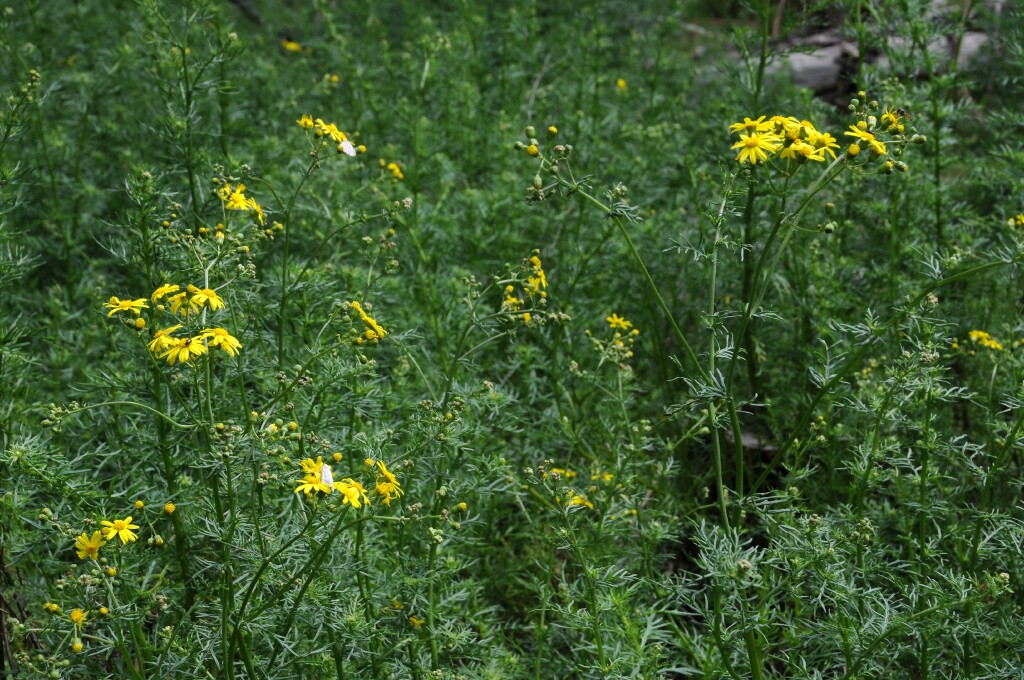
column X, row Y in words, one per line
column 904, row 113
column 347, row 148
column 325, row 475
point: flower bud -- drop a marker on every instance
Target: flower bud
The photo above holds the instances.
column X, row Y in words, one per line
column 531, row 131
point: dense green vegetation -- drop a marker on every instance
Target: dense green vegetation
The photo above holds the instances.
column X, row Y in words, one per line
column 509, row 340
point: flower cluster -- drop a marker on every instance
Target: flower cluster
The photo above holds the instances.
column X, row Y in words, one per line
column 394, row 168
column 387, row 486
column 985, row 340
column 374, row 331
column 1016, row 221
column 330, row 131
column 785, row 137
column 187, row 303
column 624, row 335
column 534, row 288
column 317, row 477
column 234, row 198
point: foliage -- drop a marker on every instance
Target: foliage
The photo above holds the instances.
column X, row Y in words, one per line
column 508, row 340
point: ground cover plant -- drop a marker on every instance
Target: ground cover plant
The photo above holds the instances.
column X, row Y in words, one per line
column 509, row 340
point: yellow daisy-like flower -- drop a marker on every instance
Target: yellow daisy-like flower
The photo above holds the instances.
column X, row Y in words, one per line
column 801, row 149
column 331, row 130
column 116, row 305
column 181, row 304
column 826, row 143
column 748, row 126
column 580, row 500
column 77, row 617
column 353, row 492
column 218, row 337
column 164, row 290
column 315, row 477
column 251, row 204
column 387, row 486
column 616, row 321
column 237, row 200
column 122, row 528
column 87, row 546
column 878, row 147
column 182, row 350
column 291, row 46
column 162, row 339
column 170, row 507
column 305, row 122
column 754, row 145
column 205, row 296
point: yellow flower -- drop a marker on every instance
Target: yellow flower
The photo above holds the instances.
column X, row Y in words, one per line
column 748, row 126
column 236, row 200
column 205, row 296
column 330, row 130
column 826, row 143
column 77, row 617
column 621, row 83
column 353, row 492
column 878, row 147
column 163, row 290
column 218, row 337
column 801, row 149
column 396, row 170
column 305, row 122
column 616, row 321
column 291, row 46
column 985, row 340
column 255, row 207
column 184, row 349
column 76, row 646
column 463, row 507
column 139, row 505
column 580, row 500
column 753, row 147
column 170, row 507
column 316, row 478
column 104, row 611
column 417, row 623
column 89, row 546
column 116, row 305
column 162, row 339
column 375, row 332
column 111, row 572
column 387, row 485
column 122, row 528
column 532, row 150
